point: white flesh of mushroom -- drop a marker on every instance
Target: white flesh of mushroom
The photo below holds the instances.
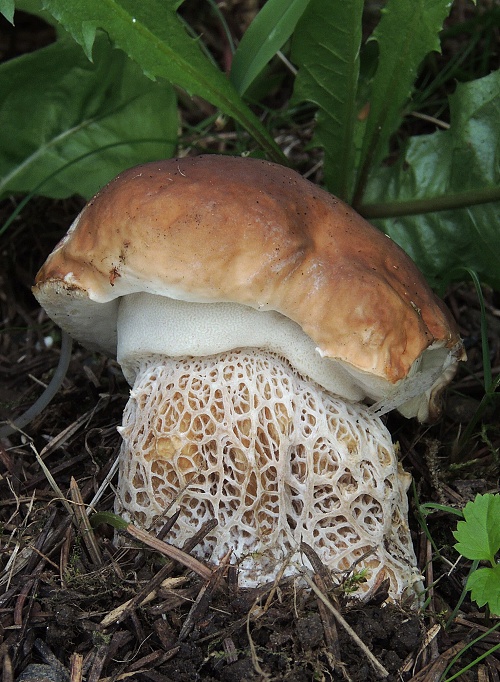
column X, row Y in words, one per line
column 243, row 435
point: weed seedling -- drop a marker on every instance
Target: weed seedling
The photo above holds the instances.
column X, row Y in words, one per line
column 478, row 539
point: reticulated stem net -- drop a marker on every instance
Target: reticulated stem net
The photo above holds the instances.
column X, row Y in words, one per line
column 243, row 438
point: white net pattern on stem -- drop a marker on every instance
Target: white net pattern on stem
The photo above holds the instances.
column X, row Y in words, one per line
column 243, row 438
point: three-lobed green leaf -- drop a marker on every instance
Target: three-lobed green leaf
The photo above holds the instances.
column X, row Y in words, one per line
column 478, row 535
column 484, row 586
column 479, row 539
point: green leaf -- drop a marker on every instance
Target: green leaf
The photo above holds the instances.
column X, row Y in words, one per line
column 111, row 519
column 34, row 7
column 479, row 535
column 407, row 32
column 484, row 584
column 428, row 507
column 267, row 34
column 151, row 34
column 325, row 49
column 107, row 110
column 7, row 9
column 445, row 190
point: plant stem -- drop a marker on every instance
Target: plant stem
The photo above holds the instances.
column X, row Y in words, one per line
column 447, row 202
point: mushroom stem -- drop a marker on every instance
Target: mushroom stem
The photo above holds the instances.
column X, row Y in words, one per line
column 244, row 438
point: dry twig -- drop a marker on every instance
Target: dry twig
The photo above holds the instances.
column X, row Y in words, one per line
column 376, row 665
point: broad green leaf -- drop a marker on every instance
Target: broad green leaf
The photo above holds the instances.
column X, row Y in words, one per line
column 479, row 535
column 325, row 49
column 457, row 171
column 267, row 34
column 7, row 9
column 407, row 32
column 151, row 34
column 57, row 107
column 484, row 584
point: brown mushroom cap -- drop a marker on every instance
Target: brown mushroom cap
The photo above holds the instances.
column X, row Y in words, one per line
column 226, row 229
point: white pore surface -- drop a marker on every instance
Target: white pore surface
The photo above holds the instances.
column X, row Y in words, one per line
column 151, row 324
column 241, row 437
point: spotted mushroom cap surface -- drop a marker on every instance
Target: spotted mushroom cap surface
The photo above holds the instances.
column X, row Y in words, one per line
column 217, row 229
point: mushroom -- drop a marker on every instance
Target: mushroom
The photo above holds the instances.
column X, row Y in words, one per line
column 264, row 327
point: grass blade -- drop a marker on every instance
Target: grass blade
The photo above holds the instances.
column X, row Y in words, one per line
column 267, row 34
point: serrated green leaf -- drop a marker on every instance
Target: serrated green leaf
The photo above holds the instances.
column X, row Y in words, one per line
column 407, row 32
column 325, row 49
column 33, row 7
column 484, row 584
column 7, row 9
column 458, row 171
column 479, row 535
column 267, row 34
column 151, row 34
column 107, row 107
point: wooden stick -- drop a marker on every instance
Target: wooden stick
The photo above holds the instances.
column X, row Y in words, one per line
column 169, row 550
column 376, row 665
